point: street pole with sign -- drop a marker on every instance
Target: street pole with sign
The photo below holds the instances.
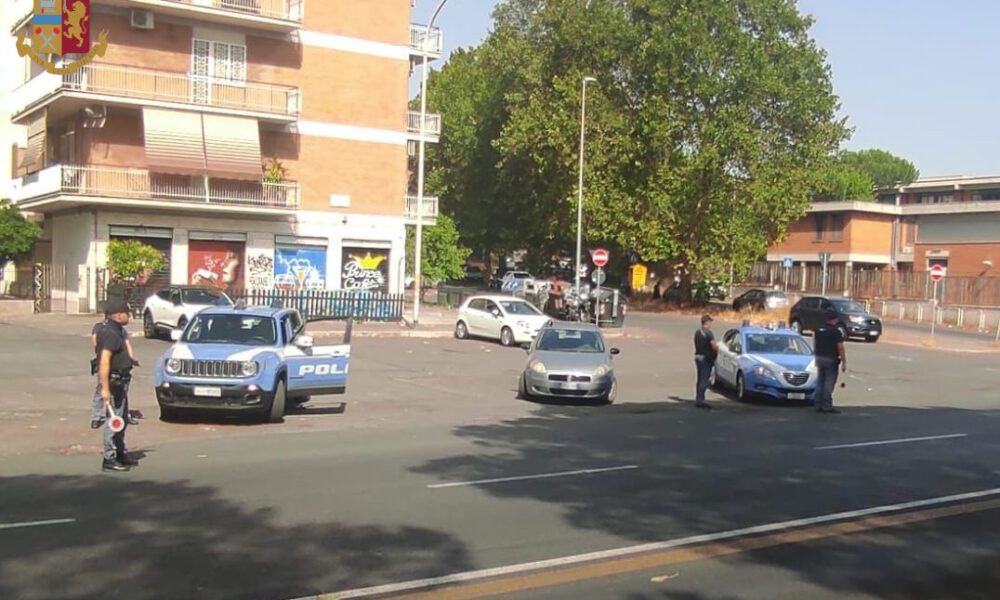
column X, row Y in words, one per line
column 937, row 273
column 600, row 258
column 824, row 259
column 787, row 263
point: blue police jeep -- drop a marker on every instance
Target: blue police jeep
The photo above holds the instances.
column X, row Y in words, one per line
column 247, row 360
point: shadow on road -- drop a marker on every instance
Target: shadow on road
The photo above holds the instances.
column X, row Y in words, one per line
column 142, row 540
column 703, row 472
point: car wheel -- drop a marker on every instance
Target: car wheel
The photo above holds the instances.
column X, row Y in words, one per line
column 843, row 332
column 169, row 413
column 522, row 388
column 796, row 326
column 277, row 411
column 148, row 326
column 741, row 387
column 461, row 330
column 506, row 337
column 609, row 398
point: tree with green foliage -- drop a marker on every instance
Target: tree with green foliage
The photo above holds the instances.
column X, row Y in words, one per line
column 839, row 182
column 17, row 234
column 707, row 129
column 130, row 261
column 442, row 256
column 885, row 169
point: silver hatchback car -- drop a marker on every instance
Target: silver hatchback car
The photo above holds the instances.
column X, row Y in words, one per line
column 569, row 360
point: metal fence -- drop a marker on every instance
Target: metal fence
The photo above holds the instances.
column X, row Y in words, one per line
column 330, row 304
column 895, row 285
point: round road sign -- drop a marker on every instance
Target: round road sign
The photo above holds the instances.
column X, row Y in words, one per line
column 600, row 257
column 937, row 273
column 598, row 277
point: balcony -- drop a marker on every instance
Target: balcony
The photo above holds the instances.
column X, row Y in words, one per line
column 282, row 16
column 432, row 125
column 422, row 45
column 430, row 210
column 115, row 84
column 66, row 186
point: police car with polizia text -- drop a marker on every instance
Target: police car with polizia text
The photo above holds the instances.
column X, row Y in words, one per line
column 255, row 361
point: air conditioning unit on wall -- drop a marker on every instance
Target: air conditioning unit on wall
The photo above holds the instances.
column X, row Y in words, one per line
column 142, row 19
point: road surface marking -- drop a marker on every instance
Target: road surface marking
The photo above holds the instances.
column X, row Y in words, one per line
column 539, row 476
column 544, row 573
column 902, row 358
column 899, row 441
column 36, row 523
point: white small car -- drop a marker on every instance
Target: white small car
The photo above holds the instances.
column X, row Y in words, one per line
column 510, row 320
column 173, row 306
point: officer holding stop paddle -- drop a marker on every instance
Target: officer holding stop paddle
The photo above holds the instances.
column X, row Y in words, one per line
column 114, row 373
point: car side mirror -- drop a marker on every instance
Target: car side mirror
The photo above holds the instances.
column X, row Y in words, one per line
column 175, row 334
column 615, row 352
column 496, row 313
column 175, row 300
column 527, row 348
column 304, row 341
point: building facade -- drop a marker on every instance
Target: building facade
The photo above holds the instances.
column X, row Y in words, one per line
column 255, row 143
column 950, row 221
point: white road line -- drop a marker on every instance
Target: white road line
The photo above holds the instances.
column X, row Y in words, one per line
column 523, row 477
column 36, row 523
column 902, row 358
column 899, row 441
column 395, row 588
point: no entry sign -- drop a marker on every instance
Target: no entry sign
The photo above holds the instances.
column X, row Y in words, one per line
column 600, row 257
column 937, row 273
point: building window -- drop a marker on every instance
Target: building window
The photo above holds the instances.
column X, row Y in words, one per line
column 820, row 234
column 219, row 60
column 986, row 196
column 836, row 228
column 935, row 198
column 910, row 229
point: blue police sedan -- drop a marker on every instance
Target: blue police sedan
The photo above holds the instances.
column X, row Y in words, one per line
column 769, row 362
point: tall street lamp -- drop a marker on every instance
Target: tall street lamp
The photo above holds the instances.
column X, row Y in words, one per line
column 418, row 241
column 579, row 187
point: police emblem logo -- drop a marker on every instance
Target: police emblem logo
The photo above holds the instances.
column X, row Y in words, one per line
column 61, row 28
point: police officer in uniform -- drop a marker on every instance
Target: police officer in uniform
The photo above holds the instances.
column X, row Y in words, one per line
column 830, row 354
column 114, row 369
column 706, row 349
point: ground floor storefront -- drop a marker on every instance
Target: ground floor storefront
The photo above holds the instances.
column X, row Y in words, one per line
column 233, row 252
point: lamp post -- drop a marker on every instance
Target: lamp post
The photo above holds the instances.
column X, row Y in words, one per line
column 418, row 238
column 579, row 202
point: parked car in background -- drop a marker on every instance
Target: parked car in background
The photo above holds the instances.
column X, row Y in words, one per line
column 472, row 274
column 569, row 360
column 517, row 281
column 771, row 362
column 852, row 318
column 757, row 299
column 509, row 320
column 173, row 306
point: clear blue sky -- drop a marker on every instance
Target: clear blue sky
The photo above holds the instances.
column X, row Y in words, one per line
column 915, row 77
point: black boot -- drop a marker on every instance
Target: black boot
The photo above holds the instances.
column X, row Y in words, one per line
column 114, row 465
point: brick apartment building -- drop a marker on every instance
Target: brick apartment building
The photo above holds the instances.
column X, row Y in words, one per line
column 165, row 140
column 951, row 221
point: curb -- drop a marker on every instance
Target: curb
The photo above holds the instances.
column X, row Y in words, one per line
column 940, row 348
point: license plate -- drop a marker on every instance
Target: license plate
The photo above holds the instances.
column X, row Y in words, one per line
column 796, row 396
column 209, row 392
column 872, row 334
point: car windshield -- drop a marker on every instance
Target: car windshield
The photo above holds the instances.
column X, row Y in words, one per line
column 848, row 306
column 519, row 308
column 520, row 275
column 244, row 330
column 770, row 343
column 208, row 297
column 571, row 340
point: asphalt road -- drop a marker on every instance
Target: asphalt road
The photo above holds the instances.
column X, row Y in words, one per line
column 431, row 468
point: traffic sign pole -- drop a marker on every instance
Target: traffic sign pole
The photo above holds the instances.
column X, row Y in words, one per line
column 934, row 309
column 597, row 316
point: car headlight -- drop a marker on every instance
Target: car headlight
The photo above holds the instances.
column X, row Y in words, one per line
column 857, row 319
column 762, row 371
column 601, row 371
column 173, row 366
column 248, row 368
column 537, row 366
column 524, row 325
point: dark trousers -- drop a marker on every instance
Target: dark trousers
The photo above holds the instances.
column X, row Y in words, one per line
column 826, row 380
column 704, row 367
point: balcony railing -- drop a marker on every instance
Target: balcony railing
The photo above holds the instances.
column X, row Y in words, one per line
column 432, row 123
column 165, row 86
column 286, row 10
column 141, row 184
column 430, row 209
column 423, row 44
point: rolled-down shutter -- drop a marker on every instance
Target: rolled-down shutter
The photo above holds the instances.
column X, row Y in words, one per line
column 175, row 141
column 33, row 159
column 232, row 147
